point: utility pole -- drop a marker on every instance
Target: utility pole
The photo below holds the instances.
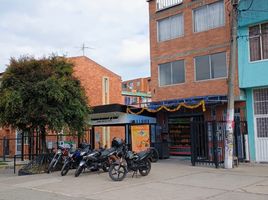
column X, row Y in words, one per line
column 229, row 140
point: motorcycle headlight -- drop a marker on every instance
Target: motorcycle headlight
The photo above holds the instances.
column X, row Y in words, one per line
column 59, row 151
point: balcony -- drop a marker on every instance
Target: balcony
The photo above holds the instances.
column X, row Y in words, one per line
column 163, row 4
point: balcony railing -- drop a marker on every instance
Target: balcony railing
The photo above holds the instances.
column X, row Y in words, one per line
column 162, row 4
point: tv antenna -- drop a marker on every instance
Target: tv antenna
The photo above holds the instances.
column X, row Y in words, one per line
column 83, row 48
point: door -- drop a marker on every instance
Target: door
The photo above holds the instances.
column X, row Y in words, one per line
column 261, row 123
column 18, row 143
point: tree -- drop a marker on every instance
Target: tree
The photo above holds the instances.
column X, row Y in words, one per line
column 42, row 95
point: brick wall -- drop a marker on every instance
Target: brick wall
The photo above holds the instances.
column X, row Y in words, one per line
column 186, row 48
column 144, row 85
column 91, row 75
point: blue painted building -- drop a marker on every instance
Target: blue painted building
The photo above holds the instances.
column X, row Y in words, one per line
column 253, row 72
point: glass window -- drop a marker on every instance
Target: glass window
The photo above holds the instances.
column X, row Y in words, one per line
column 178, row 74
column 258, row 42
column 170, row 28
column 209, row 16
column 171, row 73
column 165, row 74
column 202, row 68
column 218, row 65
column 210, row 66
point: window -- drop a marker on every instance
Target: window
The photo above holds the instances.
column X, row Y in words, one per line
column 171, row 73
column 258, row 42
column 130, row 85
column 138, row 83
column 124, row 86
column 209, row 16
column 162, row 4
column 210, row 66
column 261, row 111
column 170, row 28
column 105, row 97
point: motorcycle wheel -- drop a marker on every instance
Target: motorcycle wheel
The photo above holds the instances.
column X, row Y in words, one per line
column 105, row 167
column 155, row 155
column 65, row 169
column 50, row 166
column 117, row 172
column 146, row 171
column 78, row 171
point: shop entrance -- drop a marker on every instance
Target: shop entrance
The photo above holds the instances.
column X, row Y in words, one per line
column 180, row 135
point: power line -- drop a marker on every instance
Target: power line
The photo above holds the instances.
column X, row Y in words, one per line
column 248, row 7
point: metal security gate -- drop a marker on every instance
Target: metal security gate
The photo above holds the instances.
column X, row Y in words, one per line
column 208, row 137
column 261, row 123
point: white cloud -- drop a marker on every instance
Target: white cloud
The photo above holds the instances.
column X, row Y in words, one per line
column 117, row 29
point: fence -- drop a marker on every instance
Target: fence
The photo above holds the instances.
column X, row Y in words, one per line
column 208, row 139
column 26, row 147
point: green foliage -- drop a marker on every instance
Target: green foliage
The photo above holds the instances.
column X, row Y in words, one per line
column 42, row 95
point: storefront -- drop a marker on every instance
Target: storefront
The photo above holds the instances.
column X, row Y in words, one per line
column 109, row 121
column 174, row 119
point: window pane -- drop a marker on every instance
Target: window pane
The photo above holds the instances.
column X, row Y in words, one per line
column 255, row 48
column 170, row 28
column 209, row 16
column 176, row 24
column 264, row 31
column 254, row 31
column 218, row 65
column 261, row 101
column 216, row 15
column 202, row 68
column 163, row 29
column 178, row 72
column 200, row 19
column 165, row 74
column 262, row 127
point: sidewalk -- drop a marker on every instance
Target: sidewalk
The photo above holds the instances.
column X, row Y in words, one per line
column 169, row 179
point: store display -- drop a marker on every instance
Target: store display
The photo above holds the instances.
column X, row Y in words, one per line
column 180, row 136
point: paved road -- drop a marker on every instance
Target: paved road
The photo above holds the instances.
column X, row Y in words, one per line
column 169, row 179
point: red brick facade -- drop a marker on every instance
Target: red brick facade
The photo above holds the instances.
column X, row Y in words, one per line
column 186, row 48
column 139, row 85
column 91, row 75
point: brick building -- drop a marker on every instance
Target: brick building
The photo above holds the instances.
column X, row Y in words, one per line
column 137, row 92
column 101, row 85
column 190, row 51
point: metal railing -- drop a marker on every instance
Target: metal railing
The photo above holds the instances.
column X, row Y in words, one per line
column 208, row 142
column 163, row 4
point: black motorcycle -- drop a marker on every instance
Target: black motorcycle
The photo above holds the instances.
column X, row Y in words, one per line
column 130, row 161
column 154, row 155
column 98, row 159
column 72, row 161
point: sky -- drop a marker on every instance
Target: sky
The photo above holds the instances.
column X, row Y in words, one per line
column 117, row 32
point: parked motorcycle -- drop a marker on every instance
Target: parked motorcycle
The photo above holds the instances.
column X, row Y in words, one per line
column 130, row 161
column 98, row 159
column 154, row 155
column 74, row 158
column 58, row 158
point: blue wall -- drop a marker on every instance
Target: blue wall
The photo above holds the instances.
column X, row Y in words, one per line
column 251, row 74
column 250, row 120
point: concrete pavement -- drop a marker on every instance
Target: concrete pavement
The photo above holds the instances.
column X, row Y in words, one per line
column 169, row 179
